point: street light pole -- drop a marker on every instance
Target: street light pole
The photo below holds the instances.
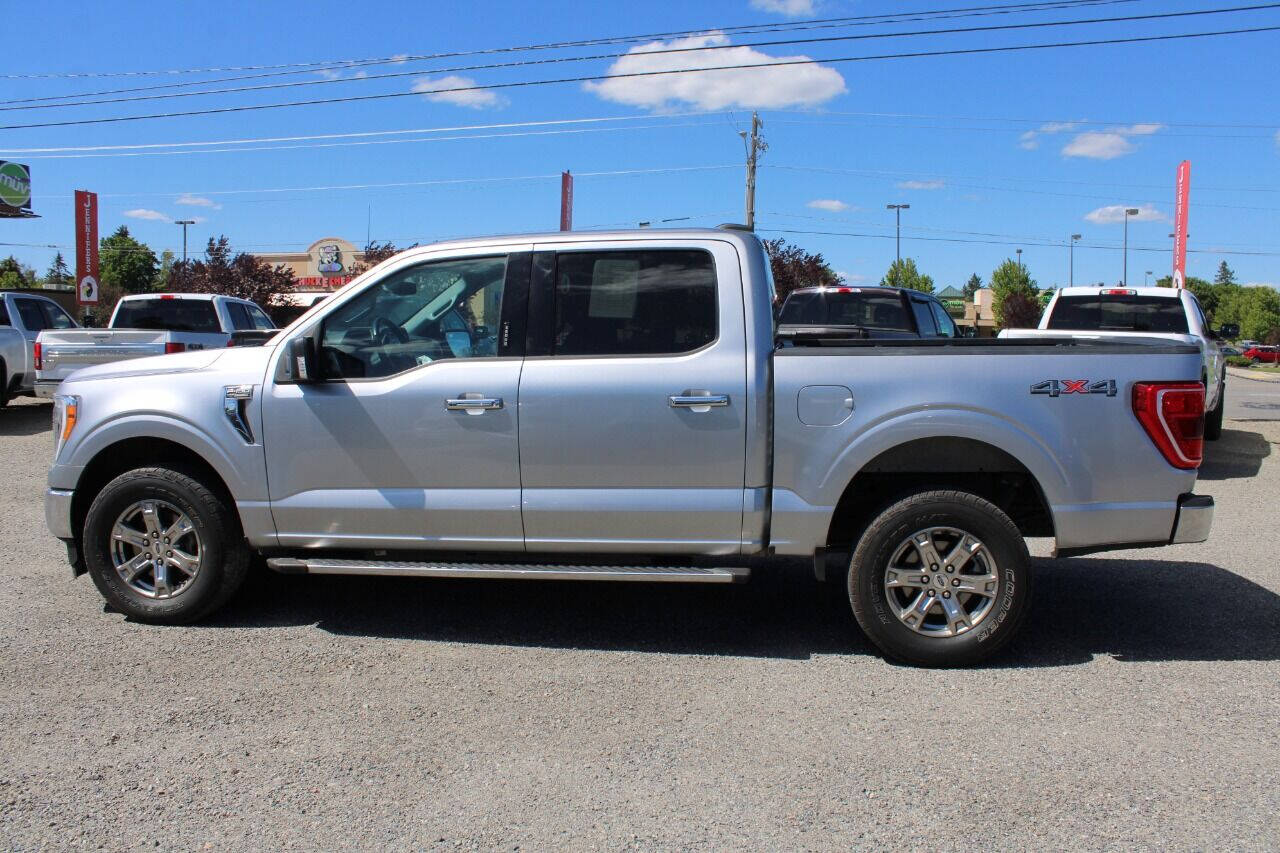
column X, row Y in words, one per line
column 1124, row 277
column 1019, row 251
column 1071, row 268
column 184, row 223
column 897, row 213
column 1146, row 281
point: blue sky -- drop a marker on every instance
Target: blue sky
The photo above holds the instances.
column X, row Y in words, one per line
column 992, row 152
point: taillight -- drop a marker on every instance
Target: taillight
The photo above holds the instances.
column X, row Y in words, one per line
column 35, row 354
column 173, row 346
column 1172, row 413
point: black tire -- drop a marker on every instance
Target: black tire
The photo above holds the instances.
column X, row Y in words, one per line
column 1255, row 360
column 4, row 386
column 891, row 530
column 1213, row 421
column 224, row 555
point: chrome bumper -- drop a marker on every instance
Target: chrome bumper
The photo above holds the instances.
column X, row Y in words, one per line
column 46, row 390
column 57, row 513
column 1195, row 518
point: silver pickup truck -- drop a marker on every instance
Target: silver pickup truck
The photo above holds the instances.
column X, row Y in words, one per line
column 22, row 317
column 147, row 324
column 614, row 406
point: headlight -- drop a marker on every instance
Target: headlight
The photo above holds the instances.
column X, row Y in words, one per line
column 66, row 410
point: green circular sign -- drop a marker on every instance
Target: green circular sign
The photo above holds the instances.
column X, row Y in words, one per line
column 15, row 184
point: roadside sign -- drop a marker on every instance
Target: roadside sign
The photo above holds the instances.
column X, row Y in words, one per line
column 86, row 247
column 15, row 190
column 1180, row 224
column 566, row 201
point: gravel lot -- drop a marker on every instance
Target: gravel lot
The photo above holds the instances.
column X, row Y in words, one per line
column 1139, row 708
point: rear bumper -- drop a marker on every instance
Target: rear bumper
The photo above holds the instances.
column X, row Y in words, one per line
column 1194, row 521
column 46, row 390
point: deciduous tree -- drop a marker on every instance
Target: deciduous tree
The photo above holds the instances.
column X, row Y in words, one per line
column 1010, row 280
column 244, row 276
column 794, row 268
column 903, row 273
column 126, row 264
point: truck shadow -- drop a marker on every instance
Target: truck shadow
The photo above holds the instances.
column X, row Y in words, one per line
column 1236, row 454
column 1129, row 610
column 21, row 418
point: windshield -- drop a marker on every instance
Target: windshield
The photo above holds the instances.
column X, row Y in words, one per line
column 174, row 315
column 869, row 309
column 1119, row 313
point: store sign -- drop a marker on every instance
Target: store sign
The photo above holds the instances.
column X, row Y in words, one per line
column 332, row 282
column 329, row 259
column 1183, row 197
column 15, row 189
column 86, row 247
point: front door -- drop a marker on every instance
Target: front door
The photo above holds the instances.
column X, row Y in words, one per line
column 411, row 440
column 633, row 400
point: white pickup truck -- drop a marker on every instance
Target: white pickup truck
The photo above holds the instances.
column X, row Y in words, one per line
column 1130, row 312
column 22, row 317
column 150, row 324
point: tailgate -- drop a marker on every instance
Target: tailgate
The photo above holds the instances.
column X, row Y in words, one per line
column 62, row 352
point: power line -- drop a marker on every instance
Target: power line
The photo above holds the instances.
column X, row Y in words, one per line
column 664, row 51
column 1072, row 121
column 638, row 74
column 342, row 64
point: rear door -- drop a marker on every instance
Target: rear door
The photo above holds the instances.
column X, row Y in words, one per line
column 618, row 450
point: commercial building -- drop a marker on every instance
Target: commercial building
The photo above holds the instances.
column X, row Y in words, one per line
column 324, row 267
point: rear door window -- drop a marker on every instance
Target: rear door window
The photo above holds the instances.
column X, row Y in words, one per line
column 239, row 316
column 653, row 302
column 4, row 314
column 174, row 315
column 946, row 326
column 1119, row 313
column 55, row 317
column 924, row 318
column 259, row 318
column 32, row 317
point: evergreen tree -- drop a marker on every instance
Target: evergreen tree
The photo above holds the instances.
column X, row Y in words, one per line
column 1225, row 275
column 58, row 274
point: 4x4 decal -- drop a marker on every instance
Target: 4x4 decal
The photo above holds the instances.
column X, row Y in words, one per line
column 1058, row 387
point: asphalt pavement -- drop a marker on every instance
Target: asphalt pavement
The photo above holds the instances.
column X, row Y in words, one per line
column 1254, row 397
column 1138, row 709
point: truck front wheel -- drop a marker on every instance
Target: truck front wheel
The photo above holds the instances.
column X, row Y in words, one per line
column 162, row 547
column 940, row 578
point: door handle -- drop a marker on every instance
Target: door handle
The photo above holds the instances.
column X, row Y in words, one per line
column 473, row 405
column 693, row 401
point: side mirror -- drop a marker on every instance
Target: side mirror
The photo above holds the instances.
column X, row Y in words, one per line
column 1229, row 331
column 303, row 365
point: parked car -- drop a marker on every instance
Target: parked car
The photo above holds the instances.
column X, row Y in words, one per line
column 151, row 324
column 612, row 406
column 871, row 312
column 1120, row 312
column 1230, row 351
column 22, row 317
column 1263, row 354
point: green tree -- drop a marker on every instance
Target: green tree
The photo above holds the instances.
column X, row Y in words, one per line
column 58, row 274
column 12, row 274
column 125, row 264
column 972, row 286
column 373, row 254
column 1225, row 274
column 794, row 268
column 903, row 273
column 1256, row 310
column 1013, row 296
column 167, row 260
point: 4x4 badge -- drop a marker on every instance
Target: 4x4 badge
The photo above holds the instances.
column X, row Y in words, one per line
column 1058, row 387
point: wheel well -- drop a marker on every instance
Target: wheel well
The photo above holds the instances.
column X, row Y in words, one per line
column 948, row 463
column 115, row 459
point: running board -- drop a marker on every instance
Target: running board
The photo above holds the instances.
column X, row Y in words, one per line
column 667, row 574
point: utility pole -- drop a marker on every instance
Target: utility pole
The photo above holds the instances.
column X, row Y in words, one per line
column 1124, row 277
column 755, row 147
column 897, row 215
column 1071, row 274
column 184, row 223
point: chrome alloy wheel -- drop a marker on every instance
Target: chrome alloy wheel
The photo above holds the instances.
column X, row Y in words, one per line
column 155, row 549
column 941, row 582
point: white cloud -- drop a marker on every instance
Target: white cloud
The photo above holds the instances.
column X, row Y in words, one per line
column 790, row 8
column 143, row 213
column 399, row 58
column 804, row 84
column 921, row 185
column 831, row 204
column 852, row 277
column 1114, row 213
column 1107, row 144
column 1030, row 140
column 477, row 99
column 198, row 201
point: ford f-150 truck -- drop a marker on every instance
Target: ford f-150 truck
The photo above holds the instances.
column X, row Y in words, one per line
column 22, row 317
column 613, row 406
column 147, row 324
column 1120, row 312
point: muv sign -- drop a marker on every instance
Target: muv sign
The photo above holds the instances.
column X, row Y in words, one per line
column 15, row 189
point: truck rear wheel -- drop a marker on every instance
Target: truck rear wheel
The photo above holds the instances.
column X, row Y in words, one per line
column 940, row 578
column 164, row 548
column 1213, row 421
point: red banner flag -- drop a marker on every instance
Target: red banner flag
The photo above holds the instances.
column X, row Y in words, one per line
column 86, row 247
column 1180, row 225
column 566, row 201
